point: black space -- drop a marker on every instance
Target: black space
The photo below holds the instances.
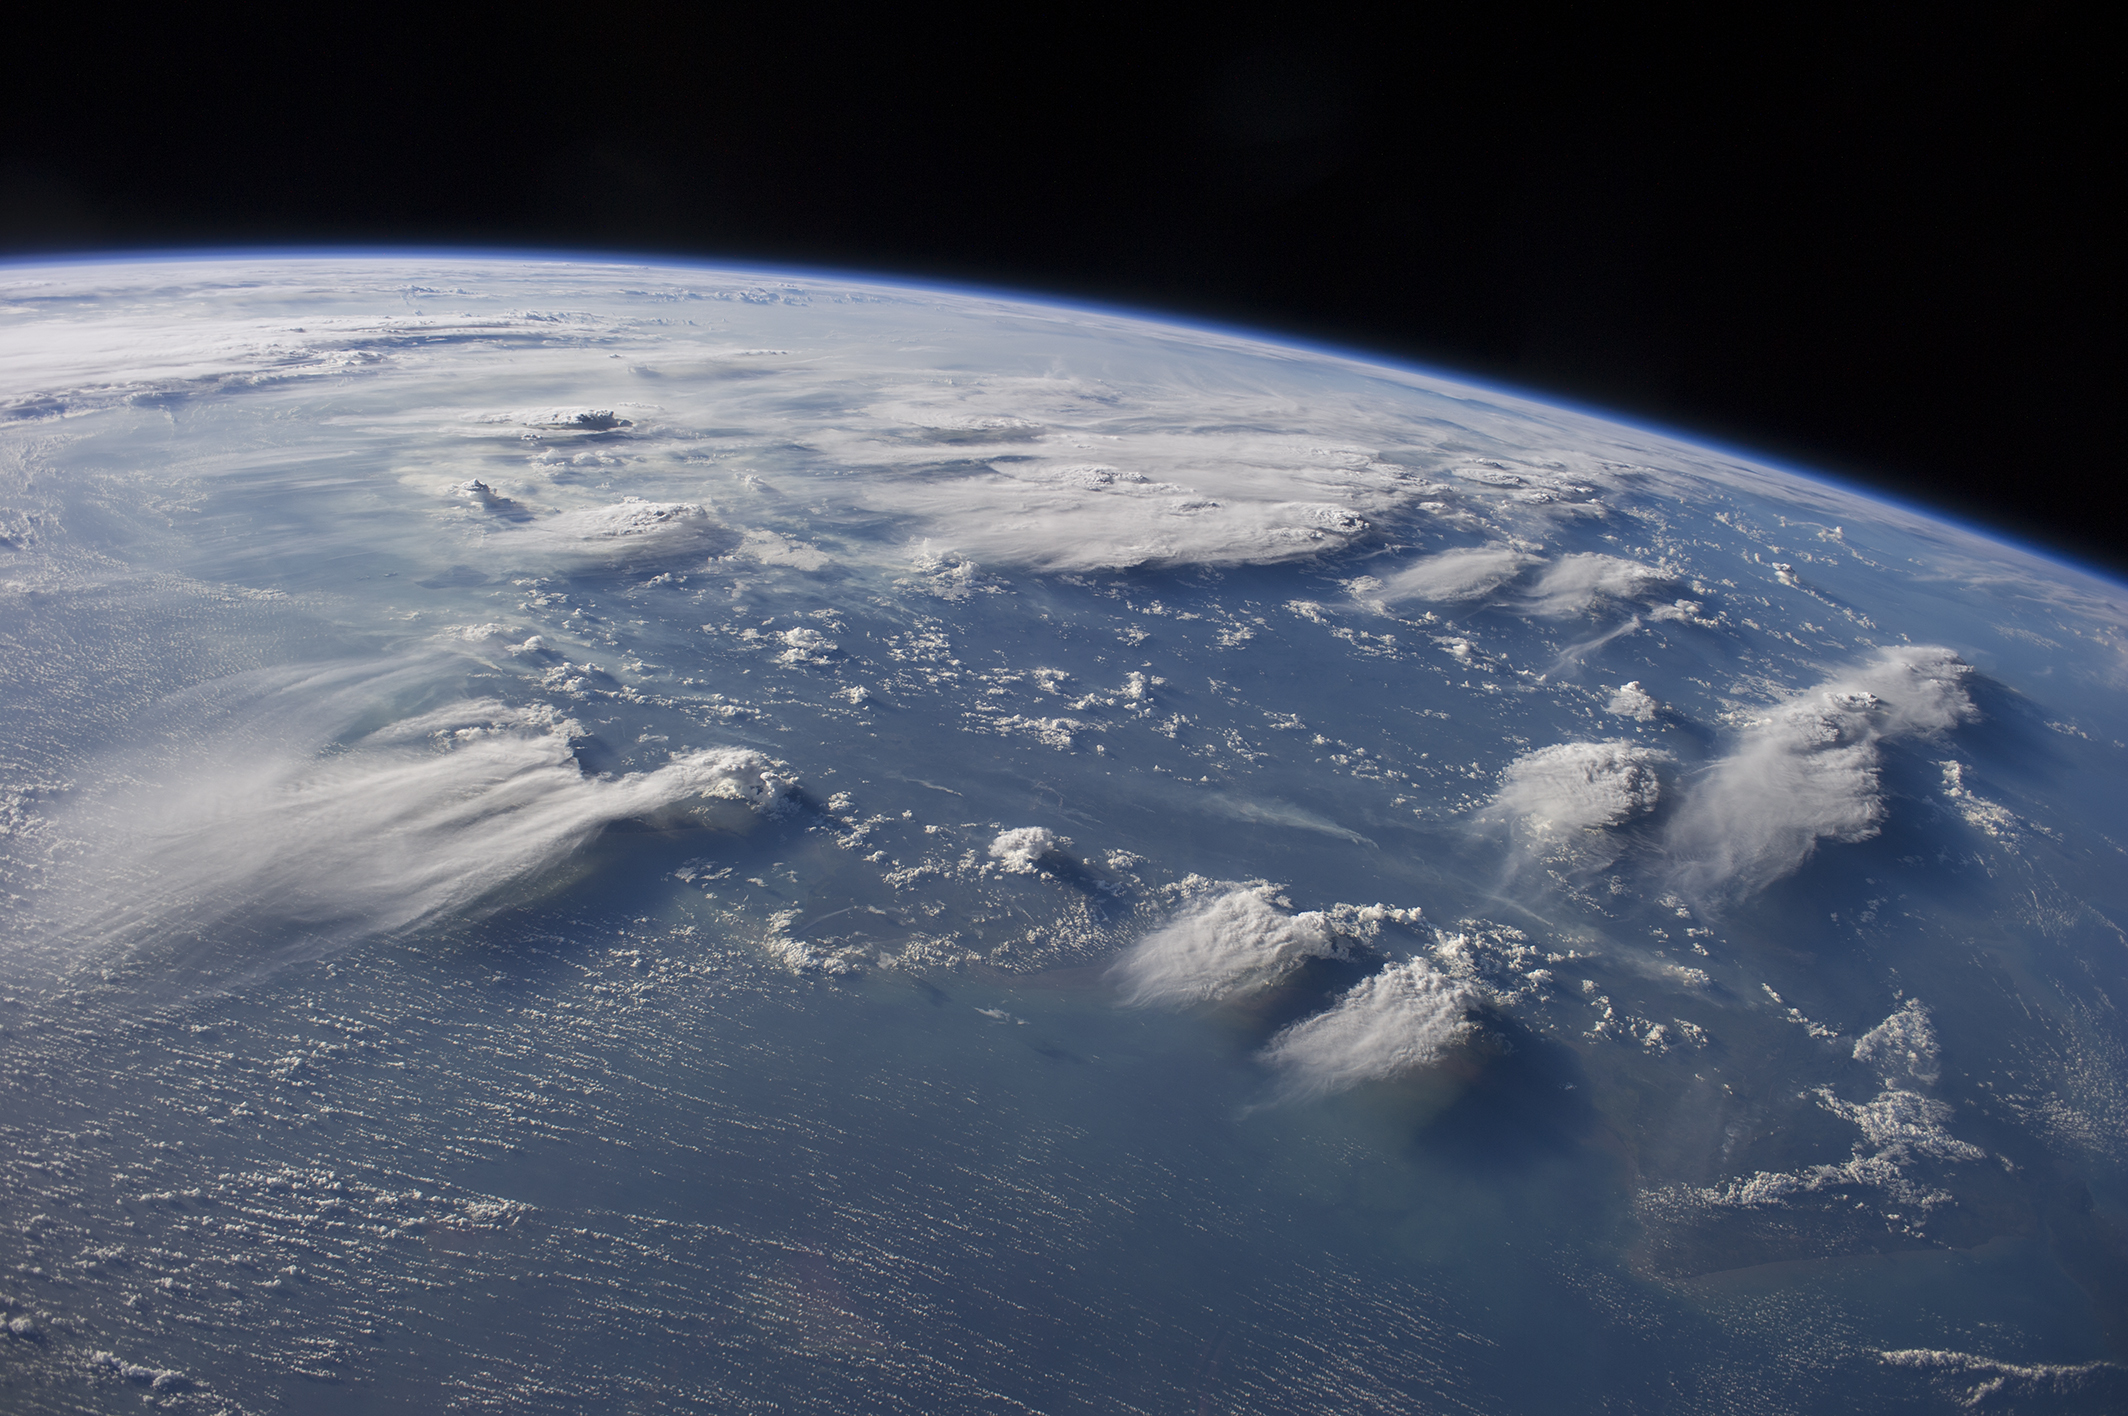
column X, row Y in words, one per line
column 1876, row 242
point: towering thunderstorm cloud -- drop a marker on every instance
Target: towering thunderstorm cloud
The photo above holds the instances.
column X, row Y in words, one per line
column 1232, row 939
column 1810, row 771
column 428, row 816
column 1580, row 786
column 1470, row 573
column 1404, row 1017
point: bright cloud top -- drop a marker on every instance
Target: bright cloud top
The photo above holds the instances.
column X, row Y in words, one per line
column 1021, row 850
column 1404, row 1017
column 631, row 530
column 1084, row 517
column 1582, row 785
column 1575, row 584
column 1810, row 771
column 1467, row 574
column 428, row 817
column 1232, row 938
column 1633, row 701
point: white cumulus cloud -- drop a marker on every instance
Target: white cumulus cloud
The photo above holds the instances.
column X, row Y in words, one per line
column 1985, row 1383
column 1901, row 1127
column 1020, row 850
column 1633, row 701
column 1077, row 518
column 1902, row 1046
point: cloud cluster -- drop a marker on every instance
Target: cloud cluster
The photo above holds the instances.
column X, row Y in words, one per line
column 1581, row 786
column 575, row 419
column 1404, row 1017
column 1900, row 1126
column 1570, row 585
column 1810, row 771
column 1230, row 938
column 1233, row 937
column 1903, row 1046
column 1984, row 1383
column 1220, row 449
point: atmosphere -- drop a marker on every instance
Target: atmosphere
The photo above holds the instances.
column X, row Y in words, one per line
column 1056, row 716
column 662, row 838
column 1881, row 252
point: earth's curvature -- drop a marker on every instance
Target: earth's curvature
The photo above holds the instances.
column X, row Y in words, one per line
column 591, row 836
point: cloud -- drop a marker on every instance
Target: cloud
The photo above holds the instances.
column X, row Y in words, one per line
column 1250, row 425
column 1900, row 1127
column 631, row 531
column 1467, row 574
column 1809, row 772
column 773, row 549
column 1020, row 851
column 1903, row 1046
column 1990, row 817
column 1575, row 584
column 1581, row 785
column 1271, row 812
column 1072, row 518
column 344, row 834
column 1635, row 702
column 1568, row 586
column 1232, row 938
column 1984, row 1383
column 1404, row 1017
column 582, row 420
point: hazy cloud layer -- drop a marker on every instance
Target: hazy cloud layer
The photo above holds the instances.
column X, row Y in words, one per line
column 1274, row 438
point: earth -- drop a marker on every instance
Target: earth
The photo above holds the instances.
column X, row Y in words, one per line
column 597, row 836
